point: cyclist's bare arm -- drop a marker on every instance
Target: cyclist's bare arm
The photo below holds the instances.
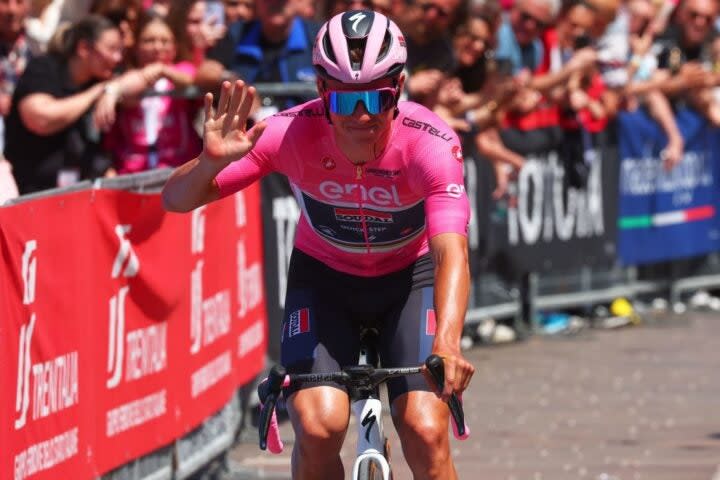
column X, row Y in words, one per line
column 224, row 141
column 190, row 186
column 452, row 286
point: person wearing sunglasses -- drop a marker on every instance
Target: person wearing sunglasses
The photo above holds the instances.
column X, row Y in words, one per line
column 428, row 27
column 684, row 46
column 381, row 242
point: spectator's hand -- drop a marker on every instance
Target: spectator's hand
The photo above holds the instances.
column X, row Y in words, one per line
column 457, row 124
column 424, row 82
column 557, row 94
column 504, row 172
column 502, row 89
column 526, row 100
column 224, row 136
column 104, row 113
column 211, row 31
column 451, row 93
column 578, row 99
column 447, row 114
column 673, row 153
column 153, row 72
column 582, row 59
column 5, row 103
column 695, row 76
column 640, row 44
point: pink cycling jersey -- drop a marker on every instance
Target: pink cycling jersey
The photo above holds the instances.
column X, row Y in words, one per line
column 364, row 220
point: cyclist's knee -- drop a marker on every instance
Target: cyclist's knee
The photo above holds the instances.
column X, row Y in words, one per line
column 427, row 435
column 422, row 424
column 320, row 419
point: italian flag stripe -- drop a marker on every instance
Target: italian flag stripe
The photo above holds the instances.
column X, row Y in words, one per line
column 665, row 219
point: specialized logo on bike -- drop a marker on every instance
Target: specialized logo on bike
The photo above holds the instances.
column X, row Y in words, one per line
column 368, row 422
column 299, row 322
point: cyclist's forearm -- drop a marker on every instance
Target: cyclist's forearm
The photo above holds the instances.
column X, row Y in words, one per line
column 191, row 185
column 452, row 286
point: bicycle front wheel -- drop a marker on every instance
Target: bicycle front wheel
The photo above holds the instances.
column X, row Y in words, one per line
column 370, row 469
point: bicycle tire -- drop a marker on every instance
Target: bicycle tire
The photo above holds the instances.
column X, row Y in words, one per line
column 369, row 469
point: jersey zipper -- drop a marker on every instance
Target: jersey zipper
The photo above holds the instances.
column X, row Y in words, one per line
column 359, row 177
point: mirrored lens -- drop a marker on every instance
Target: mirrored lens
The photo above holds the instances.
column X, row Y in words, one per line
column 374, row 101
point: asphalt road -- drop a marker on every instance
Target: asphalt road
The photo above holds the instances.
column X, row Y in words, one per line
column 629, row 404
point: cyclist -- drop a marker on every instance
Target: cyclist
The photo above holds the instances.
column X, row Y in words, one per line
column 381, row 242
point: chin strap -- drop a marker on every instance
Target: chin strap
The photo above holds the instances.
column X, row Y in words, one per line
column 396, row 112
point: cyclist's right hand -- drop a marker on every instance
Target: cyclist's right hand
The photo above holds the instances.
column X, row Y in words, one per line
column 225, row 138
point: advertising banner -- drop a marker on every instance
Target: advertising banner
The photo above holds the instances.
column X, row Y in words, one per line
column 543, row 216
column 139, row 281
column 47, row 357
column 125, row 326
column 280, row 217
column 667, row 214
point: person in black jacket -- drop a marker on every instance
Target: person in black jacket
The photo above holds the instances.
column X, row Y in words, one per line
column 49, row 134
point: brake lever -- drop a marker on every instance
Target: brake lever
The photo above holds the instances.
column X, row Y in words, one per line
column 436, row 368
column 268, row 393
column 266, row 413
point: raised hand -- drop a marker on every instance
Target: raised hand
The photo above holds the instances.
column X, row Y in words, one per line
column 225, row 138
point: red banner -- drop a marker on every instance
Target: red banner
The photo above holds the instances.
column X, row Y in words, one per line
column 124, row 326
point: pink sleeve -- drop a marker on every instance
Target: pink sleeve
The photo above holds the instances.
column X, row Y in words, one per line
column 256, row 164
column 438, row 172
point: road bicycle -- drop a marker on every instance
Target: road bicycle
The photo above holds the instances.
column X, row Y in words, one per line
column 362, row 381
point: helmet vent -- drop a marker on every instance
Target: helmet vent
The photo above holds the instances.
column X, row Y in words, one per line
column 327, row 46
column 356, row 48
column 385, row 47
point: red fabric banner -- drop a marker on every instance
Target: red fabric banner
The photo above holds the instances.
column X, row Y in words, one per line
column 125, row 326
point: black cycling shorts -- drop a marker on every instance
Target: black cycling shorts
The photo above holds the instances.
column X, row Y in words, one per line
column 325, row 311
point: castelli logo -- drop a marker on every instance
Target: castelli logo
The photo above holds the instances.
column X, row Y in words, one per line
column 457, row 153
column 401, row 39
column 328, row 163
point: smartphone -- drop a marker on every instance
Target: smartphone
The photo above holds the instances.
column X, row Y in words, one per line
column 582, row 41
column 215, row 12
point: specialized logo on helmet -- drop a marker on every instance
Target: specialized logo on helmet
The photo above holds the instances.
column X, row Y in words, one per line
column 357, row 18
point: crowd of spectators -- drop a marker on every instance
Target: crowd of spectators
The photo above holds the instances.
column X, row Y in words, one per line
column 86, row 86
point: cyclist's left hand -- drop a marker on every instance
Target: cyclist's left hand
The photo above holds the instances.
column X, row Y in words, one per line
column 458, row 372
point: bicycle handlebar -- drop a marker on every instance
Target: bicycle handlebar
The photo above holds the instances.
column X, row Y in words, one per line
column 358, row 376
